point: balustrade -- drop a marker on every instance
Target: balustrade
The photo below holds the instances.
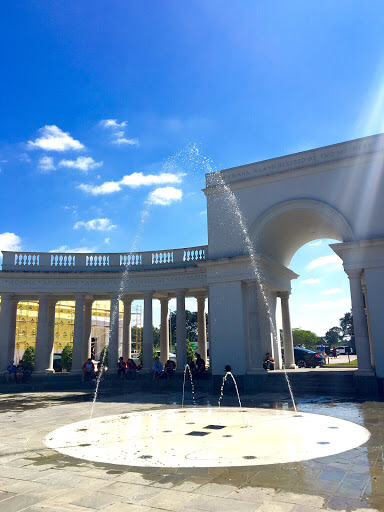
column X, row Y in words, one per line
column 67, row 262
column 63, row 260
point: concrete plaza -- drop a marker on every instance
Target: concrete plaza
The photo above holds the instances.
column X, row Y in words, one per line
column 34, row 478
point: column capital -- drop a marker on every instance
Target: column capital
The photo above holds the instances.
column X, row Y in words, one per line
column 114, row 296
column 7, row 295
column 148, row 294
column 44, row 295
column 354, row 273
column 89, row 301
column 127, row 300
column 80, row 296
column 283, row 295
column 181, row 292
column 200, row 298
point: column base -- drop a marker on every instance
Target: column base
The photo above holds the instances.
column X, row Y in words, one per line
column 291, row 367
column 365, row 372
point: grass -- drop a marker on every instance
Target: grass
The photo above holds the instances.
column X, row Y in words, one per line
column 352, row 363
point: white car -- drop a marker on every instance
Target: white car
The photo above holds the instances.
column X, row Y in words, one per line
column 343, row 350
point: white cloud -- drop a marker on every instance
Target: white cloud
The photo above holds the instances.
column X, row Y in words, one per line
column 123, row 140
column 106, row 240
column 95, row 225
column 10, row 242
column 134, row 180
column 332, row 291
column 165, row 196
column 54, row 139
column 83, row 163
column 108, row 187
column 323, row 305
column 318, row 242
column 311, row 280
column 46, row 164
column 24, row 157
column 118, row 135
column 326, row 260
column 138, row 179
column 66, row 249
column 112, row 123
column 203, row 212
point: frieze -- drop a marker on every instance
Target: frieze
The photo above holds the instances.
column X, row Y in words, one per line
column 298, row 161
column 90, row 285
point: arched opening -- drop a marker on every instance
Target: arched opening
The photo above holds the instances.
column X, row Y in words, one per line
column 283, row 229
column 297, row 234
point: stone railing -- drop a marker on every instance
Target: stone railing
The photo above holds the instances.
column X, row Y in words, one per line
column 91, row 262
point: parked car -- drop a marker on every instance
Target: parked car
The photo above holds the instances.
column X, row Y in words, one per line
column 307, row 358
column 343, row 350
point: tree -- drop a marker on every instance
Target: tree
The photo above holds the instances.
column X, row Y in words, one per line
column 29, row 358
column 66, row 358
column 333, row 336
column 346, row 325
column 307, row 338
column 190, row 324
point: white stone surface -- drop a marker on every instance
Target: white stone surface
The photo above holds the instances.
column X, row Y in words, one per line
column 252, row 437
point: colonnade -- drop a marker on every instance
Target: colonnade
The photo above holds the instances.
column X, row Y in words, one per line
column 82, row 330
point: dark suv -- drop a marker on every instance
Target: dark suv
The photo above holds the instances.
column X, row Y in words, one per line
column 307, row 358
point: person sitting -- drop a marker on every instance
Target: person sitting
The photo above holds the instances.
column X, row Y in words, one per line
column 131, row 367
column 88, row 369
column 121, row 367
column 169, row 368
column 99, row 373
column 200, row 366
column 20, row 371
column 10, row 372
column 157, row 368
column 269, row 362
column 191, row 364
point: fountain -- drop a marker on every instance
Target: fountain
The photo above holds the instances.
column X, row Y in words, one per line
column 209, row 437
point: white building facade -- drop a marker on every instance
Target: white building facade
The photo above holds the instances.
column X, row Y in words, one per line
column 259, row 215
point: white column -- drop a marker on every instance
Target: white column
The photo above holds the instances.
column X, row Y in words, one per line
column 274, row 334
column 181, row 331
column 148, row 332
column 78, row 335
column 255, row 348
column 359, row 322
column 127, row 331
column 201, row 328
column 289, row 356
column 164, row 330
column 364, row 287
column 7, row 328
column 51, row 333
column 113, row 352
column 41, row 351
column 87, row 328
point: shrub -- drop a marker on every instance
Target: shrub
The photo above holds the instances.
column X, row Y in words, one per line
column 66, row 358
column 104, row 355
column 29, row 358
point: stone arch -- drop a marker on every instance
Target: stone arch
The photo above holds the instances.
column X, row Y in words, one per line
column 281, row 230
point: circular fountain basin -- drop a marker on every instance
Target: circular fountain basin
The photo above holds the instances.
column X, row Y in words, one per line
column 206, row 437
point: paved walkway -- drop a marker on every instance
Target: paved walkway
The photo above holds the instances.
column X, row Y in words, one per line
column 34, row 478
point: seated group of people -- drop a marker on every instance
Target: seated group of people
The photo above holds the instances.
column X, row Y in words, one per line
column 89, row 371
column 197, row 367
column 163, row 372
column 127, row 370
column 19, row 373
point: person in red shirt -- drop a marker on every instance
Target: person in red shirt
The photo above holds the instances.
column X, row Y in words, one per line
column 88, row 370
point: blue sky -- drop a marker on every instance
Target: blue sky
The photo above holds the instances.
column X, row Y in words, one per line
column 103, row 103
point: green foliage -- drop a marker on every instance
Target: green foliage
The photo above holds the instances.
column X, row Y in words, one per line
column 190, row 324
column 104, row 354
column 66, row 358
column 190, row 351
column 307, row 338
column 348, row 334
column 333, row 336
column 29, row 358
